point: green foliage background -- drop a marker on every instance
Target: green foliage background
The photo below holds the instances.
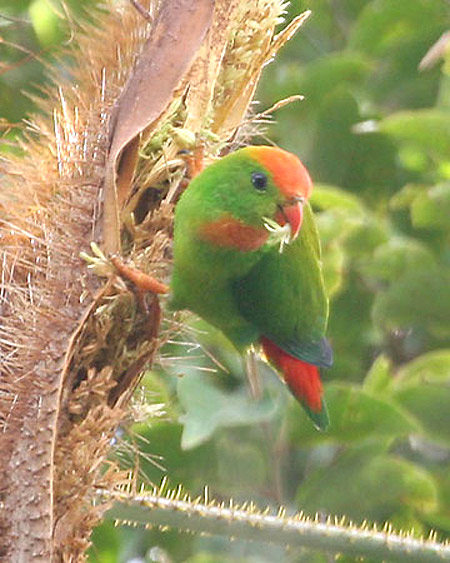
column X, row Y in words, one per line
column 375, row 135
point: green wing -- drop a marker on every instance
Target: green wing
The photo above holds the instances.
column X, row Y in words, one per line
column 284, row 297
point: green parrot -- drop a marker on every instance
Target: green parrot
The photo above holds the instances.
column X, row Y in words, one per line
column 247, row 260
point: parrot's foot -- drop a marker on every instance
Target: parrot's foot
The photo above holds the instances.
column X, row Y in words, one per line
column 142, row 281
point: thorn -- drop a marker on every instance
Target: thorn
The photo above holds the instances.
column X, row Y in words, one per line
column 281, row 512
column 162, row 486
column 179, row 492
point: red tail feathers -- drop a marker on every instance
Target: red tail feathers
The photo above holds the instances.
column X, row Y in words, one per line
column 303, row 379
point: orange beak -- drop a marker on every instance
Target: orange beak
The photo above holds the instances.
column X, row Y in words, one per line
column 291, row 212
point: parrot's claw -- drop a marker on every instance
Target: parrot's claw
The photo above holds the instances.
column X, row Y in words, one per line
column 279, row 234
column 98, row 263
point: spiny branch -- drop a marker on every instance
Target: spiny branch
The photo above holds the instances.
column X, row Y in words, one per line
column 247, row 522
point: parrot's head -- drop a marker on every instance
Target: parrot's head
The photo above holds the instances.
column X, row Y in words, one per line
column 286, row 180
column 248, row 198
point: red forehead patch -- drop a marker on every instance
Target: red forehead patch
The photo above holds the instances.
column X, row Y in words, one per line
column 288, row 172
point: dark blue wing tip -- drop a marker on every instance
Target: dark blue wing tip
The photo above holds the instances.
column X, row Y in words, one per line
column 316, row 352
column 327, row 354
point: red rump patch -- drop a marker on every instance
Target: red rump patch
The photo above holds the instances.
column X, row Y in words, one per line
column 288, row 172
column 302, row 378
column 228, row 232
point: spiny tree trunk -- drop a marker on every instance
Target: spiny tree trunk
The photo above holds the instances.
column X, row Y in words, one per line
column 73, row 343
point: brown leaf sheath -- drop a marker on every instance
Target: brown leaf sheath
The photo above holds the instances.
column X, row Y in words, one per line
column 177, row 34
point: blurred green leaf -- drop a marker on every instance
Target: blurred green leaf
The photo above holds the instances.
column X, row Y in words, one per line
column 398, row 257
column 333, row 267
column 356, row 415
column 334, row 140
column 46, row 22
column 207, row 409
column 413, row 158
column 429, row 404
column 319, row 78
column 335, row 224
column 365, row 486
column 379, row 377
column 240, row 466
column 165, row 457
column 207, row 557
column 423, row 388
column 428, row 129
column 440, row 520
column 365, row 237
column 404, row 197
column 107, row 543
column 431, row 209
column 433, row 367
column 14, row 7
column 332, row 197
column 418, row 298
column 384, row 24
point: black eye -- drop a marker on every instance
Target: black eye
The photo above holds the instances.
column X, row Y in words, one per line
column 259, row 181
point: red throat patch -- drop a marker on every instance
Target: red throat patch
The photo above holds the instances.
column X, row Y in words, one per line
column 288, row 172
column 228, row 232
